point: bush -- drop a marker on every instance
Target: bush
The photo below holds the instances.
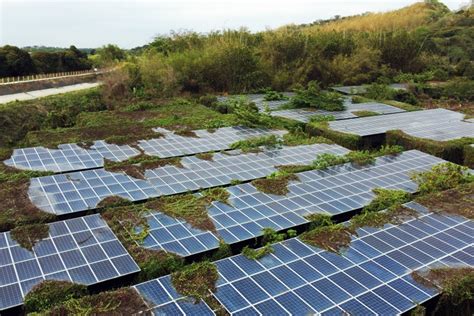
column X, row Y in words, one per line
column 442, row 177
column 386, row 198
column 380, row 92
column 314, row 97
column 50, row 293
column 271, row 95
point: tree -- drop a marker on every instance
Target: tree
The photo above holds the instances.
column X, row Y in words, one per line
column 109, row 54
column 16, row 62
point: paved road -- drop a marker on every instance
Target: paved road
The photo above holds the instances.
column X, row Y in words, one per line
column 30, row 95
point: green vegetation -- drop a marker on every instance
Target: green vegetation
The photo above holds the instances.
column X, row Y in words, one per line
column 456, row 285
column 314, row 97
column 402, row 105
column 442, row 177
column 347, row 140
column 49, row 293
column 365, row 113
column 28, row 235
column 271, row 95
column 18, row 62
column 190, row 207
column 125, row 301
column 197, row 280
column 385, row 198
column 457, row 201
column 299, row 137
column 136, row 167
column 253, row 144
column 17, row 209
column 270, row 237
column 468, row 156
column 206, row 156
column 452, row 150
column 276, row 183
column 321, row 118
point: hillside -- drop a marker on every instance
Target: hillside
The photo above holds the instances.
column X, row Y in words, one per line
column 408, row 18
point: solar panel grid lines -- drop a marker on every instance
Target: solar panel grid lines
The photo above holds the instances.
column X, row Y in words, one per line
column 163, row 299
column 320, row 281
column 304, row 115
column 80, row 191
column 177, row 236
column 173, row 145
column 436, row 124
column 363, row 88
column 68, row 157
column 82, row 250
column 337, row 190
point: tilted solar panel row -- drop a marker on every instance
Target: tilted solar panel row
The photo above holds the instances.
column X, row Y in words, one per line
column 72, row 157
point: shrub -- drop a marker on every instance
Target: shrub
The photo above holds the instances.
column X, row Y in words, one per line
column 326, row 160
column 380, row 92
column 254, row 143
column 442, row 177
column 312, row 96
column 386, row 198
column 271, row 95
column 50, row 293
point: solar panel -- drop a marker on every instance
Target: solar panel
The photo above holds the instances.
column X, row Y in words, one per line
column 175, row 145
column 436, row 124
column 363, row 89
column 164, row 300
column 304, row 115
column 82, row 250
column 69, row 157
column 177, row 236
column 336, row 190
column 80, row 191
column 371, row 277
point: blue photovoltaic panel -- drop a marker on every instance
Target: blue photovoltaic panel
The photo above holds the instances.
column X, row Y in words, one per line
column 69, row 157
column 177, row 236
column 371, row 277
column 82, row 250
column 436, row 124
column 164, row 300
column 79, row 191
column 173, row 145
column 335, row 190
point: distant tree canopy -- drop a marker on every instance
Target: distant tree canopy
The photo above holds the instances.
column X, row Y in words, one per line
column 18, row 62
column 107, row 55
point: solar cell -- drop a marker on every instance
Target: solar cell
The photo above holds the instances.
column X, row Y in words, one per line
column 173, row 145
column 79, row 191
column 436, row 124
column 335, row 190
column 82, row 250
column 69, row 157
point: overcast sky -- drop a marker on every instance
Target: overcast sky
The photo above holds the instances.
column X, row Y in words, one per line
column 131, row 23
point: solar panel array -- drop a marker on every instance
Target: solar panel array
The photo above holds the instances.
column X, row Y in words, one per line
column 173, row 145
column 164, row 300
column 80, row 191
column 371, row 277
column 304, row 115
column 363, row 89
column 82, row 250
column 436, row 124
column 336, row 190
column 69, row 157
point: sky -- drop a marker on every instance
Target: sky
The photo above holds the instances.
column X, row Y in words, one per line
column 131, row 23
